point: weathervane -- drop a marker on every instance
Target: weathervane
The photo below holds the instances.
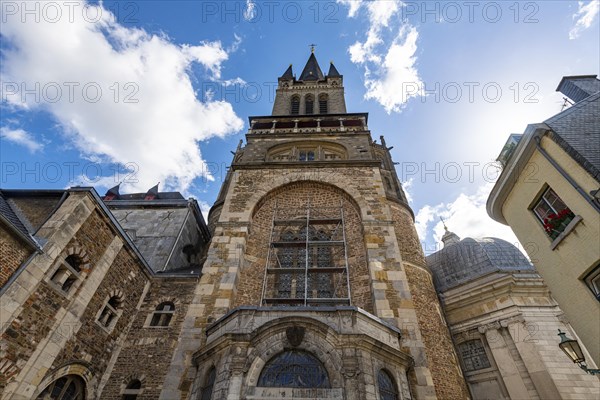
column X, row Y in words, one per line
column 312, row 47
column 444, row 223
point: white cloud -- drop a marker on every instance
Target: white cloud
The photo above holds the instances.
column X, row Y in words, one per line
column 250, row 11
column 391, row 76
column 466, row 216
column 585, row 15
column 353, row 6
column 147, row 113
column 21, row 137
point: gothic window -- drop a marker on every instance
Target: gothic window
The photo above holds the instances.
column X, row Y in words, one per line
column 306, row 263
column 110, row 312
column 69, row 387
column 295, row 106
column 387, row 388
column 323, row 103
column 473, row 355
column 553, row 213
column 309, row 104
column 133, row 389
column 207, row 389
column 307, row 151
column 67, row 273
column 294, row 369
column 162, row 314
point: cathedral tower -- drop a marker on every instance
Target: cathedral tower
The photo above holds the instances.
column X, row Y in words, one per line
column 315, row 284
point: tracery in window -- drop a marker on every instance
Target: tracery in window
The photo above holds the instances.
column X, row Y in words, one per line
column 387, row 388
column 207, row 389
column 323, row 99
column 162, row 314
column 67, row 273
column 309, row 104
column 294, row 369
column 295, row 105
column 473, row 355
column 133, row 389
column 69, row 387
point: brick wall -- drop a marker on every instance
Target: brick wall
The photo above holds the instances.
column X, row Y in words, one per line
column 13, row 253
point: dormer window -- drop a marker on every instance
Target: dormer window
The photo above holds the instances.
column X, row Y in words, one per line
column 309, row 104
column 323, row 103
column 295, row 107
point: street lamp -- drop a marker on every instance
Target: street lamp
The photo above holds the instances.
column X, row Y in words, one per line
column 572, row 349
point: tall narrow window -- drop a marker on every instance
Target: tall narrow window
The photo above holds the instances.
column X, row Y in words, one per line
column 162, row 314
column 553, row 213
column 67, row 273
column 295, row 107
column 323, row 103
column 70, row 387
column 387, row 388
column 110, row 312
column 309, row 104
column 207, row 389
column 133, row 389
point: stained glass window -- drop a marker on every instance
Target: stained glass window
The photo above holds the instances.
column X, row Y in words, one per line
column 70, row 387
column 473, row 355
column 387, row 388
column 294, row 369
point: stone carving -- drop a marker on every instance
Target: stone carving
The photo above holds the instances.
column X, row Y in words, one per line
column 295, row 335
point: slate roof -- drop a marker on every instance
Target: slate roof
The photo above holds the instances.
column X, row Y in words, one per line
column 288, row 74
column 312, row 71
column 577, row 131
column 15, row 223
column 471, row 258
column 333, row 72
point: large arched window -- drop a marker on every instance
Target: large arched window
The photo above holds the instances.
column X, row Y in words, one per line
column 294, row 369
column 309, row 104
column 207, row 389
column 69, row 387
column 386, row 385
column 295, row 106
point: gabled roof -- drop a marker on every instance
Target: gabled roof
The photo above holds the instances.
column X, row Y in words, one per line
column 312, row 71
column 333, row 72
column 10, row 218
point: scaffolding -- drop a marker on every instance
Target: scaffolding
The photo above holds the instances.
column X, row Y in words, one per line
column 307, row 261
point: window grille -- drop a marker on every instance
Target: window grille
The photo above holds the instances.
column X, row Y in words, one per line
column 473, row 355
column 323, row 104
column 307, row 259
column 295, row 105
column 309, row 107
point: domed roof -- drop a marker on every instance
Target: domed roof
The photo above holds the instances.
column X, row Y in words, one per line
column 470, row 258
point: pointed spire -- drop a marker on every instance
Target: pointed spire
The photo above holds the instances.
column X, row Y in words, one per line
column 449, row 238
column 288, row 74
column 152, row 193
column 312, row 71
column 113, row 193
column 333, row 72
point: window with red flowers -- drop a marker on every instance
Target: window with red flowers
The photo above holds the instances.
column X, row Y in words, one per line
column 553, row 213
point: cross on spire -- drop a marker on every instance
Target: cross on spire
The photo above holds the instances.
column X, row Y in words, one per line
column 312, row 47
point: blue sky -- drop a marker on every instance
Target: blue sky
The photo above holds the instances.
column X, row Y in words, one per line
column 140, row 92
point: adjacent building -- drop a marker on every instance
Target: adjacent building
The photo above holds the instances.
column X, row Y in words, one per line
column 504, row 323
column 548, row 193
